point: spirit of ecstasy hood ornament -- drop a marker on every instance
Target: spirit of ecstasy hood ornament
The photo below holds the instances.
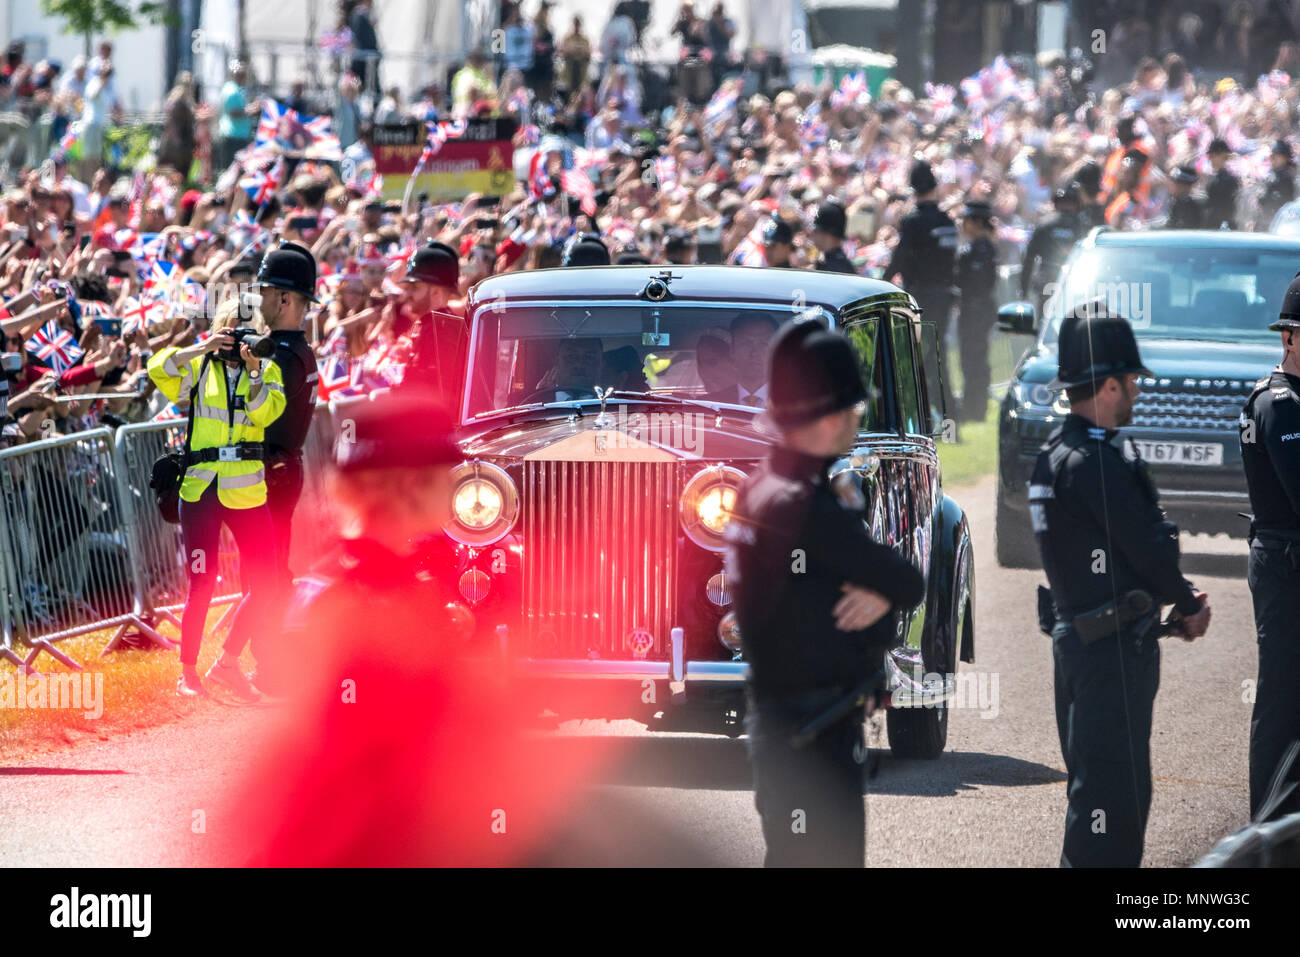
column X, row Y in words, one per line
column 603, row 421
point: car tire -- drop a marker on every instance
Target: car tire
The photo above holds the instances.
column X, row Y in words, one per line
column 1016, row 546
column 917, row 732
column 923, row 732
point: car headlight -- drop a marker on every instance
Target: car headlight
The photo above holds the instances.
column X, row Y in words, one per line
column 707, row 502
column 1037, row 397
column 484, row 504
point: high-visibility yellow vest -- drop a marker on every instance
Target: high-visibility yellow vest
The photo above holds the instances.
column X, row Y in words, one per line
column 240, row 483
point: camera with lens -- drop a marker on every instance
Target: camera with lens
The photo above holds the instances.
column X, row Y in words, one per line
column 259, row 345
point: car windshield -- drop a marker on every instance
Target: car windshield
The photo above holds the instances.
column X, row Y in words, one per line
column 561, row 353
column 1224, row 295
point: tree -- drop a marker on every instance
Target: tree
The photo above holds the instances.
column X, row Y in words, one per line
column 89, row 17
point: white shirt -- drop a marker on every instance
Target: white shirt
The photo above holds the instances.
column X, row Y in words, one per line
column 759, row 396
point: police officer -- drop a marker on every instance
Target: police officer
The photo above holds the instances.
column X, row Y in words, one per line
column 1222, row 188
column 828, row 228
column 286, row 282
column 585, row 249
column 1050, row 245
column 1279, row 185
column 1092, row 208
column 1270, row 453
column 977, row 276
column 812, row 590
column 440, row 339
column 926, row 252
column 1111, row 560
column 1185, row 210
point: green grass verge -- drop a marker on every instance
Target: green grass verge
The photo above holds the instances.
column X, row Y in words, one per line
column 975, row 453
column 139, row 691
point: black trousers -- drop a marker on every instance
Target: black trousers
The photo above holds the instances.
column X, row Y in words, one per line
column 1275, row 719
column 284, row 479
column 810, row 800
column 973, row 327
column 201, row 523
column 1105, row 694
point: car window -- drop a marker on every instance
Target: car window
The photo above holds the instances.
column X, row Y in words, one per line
column 1180, row 292
column 562, row 353
column 864, row 335
column 905, row 374
column 927, row 344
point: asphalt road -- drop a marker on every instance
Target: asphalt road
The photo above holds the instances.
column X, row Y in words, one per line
column 996, row 797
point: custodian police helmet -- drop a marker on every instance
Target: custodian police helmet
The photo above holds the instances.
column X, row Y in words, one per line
column 1095, row 345
column 1289, row 317
column 812, row 372
column 289, row 266
column 435, row 263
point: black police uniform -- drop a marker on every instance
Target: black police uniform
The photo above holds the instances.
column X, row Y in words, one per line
column 977, row 276
column 1185, row 212
column 832, row 220
column 835, row 261
column 1278, row 190
column 1270, row 454
column 1049, row 247
column 1102, row 536
column 791, row 545
column 288, row 266
column 1221, row 200
column 926, row 254
column 440, row 340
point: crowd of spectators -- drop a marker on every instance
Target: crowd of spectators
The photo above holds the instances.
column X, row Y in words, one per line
column 660, row 175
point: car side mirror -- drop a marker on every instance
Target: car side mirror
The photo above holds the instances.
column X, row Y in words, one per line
column 1018, row 318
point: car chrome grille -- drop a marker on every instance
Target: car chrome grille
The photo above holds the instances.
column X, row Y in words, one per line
column 1180, row 403
column 600, row 557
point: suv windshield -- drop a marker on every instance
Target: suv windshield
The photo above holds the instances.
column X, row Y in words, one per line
column 540, row 353
column 1179, row 293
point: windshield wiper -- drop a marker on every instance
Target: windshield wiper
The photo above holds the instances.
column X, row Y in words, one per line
column 574, row 404
column 664, row 397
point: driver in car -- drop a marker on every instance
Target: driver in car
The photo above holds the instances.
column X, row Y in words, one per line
column 577, row 363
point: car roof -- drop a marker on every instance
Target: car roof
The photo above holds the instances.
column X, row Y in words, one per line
column 729, row 283
column 1198, row 239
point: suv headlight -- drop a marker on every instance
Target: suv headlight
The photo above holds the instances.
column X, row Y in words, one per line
column 707, row 502
column 484, row 504
column 1037, row 397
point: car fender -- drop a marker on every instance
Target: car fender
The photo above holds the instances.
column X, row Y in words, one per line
column 952, row 582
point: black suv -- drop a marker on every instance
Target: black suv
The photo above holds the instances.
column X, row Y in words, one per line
column 1200, row 303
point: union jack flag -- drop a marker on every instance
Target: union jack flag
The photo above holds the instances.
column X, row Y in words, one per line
column 722, row 105
column 336, row 43
column 439, row 133
column 55, row 346
column 666, row 172
column 749, row 251
column 261, row 185
column 140, row 313
column 852, row 90
column 309, row 135
column 338, row 376
column 539, row 181
column 942, row 99
column 577, row 183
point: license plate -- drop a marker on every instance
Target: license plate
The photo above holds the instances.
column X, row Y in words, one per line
column 1181, row 453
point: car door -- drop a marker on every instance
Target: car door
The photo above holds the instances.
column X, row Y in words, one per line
column 911, row 464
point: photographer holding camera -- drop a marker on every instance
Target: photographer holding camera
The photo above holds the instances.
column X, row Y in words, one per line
column 236, row 391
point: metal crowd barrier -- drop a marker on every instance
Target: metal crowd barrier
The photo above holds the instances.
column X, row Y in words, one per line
column 83, row 548
column 66, row 544
column 158, row 558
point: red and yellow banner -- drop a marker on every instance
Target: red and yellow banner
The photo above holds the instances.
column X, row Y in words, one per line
column 481, row 161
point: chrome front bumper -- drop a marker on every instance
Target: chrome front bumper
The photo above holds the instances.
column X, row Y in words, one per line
column 902, row 671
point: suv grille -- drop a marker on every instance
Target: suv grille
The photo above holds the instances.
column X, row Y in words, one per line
column 1184, row 403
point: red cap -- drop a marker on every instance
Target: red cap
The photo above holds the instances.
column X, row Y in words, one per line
column 190, row 199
